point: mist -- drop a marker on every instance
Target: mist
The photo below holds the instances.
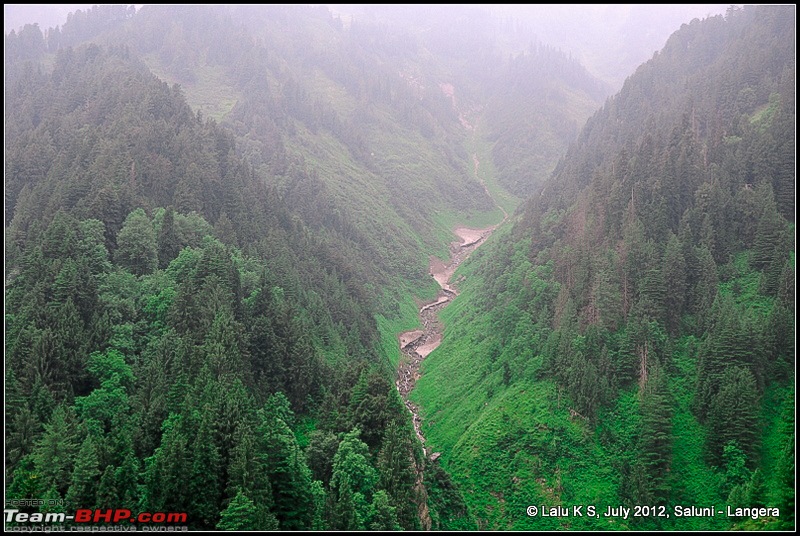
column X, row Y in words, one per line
column 384, row 267
column 610, row 40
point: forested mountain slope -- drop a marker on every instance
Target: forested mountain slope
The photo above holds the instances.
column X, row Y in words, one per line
column 146, row 345
column 198, row 288
column 385, row 154
column 630, row 340
column 218, row 219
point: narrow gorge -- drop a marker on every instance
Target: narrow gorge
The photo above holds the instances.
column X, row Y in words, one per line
column 417, row 344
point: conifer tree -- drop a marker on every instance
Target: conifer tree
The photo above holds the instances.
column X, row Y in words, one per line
column 732, row 415
column 239, row 515
column 656, row 435
column 168, row 242
column 397, row 473
column 55, row 453
column 353, row 482
column 206, row 480
column 288, row 474
column 83, row 490
column 674, row 276
column 136, row 244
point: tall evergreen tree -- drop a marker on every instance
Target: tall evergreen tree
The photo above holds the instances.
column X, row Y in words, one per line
column 136, row 244
column 287, row 471
column 352, row 483
column 83, row 490
column 732, row 416
column 396, row 467
column 55, row 453
column 239, row 515
column 168, row 243
column 164, row 486
column 674, row 275
column 656, row 434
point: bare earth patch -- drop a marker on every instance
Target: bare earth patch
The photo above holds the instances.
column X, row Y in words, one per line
column 410, row 337
column 440, row 273
column 470, row 236
column 440, row 300
column 430, row 346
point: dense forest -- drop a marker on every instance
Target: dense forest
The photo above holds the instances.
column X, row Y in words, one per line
column 631, row 338
column 218, row 220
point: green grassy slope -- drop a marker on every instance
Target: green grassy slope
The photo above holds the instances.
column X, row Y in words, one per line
column 510, row 445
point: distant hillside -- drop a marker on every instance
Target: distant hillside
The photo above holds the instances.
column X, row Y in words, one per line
column 516, row 90
column 611, row 40
column 16, row 16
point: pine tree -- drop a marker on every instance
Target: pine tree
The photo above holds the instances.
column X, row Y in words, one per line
column 606, row 299
column 22, row 426
column 55, row 453
column 206, row 476
column 164, row 486
column 369, row 406
column 732, row 415
column 23, row 430
column 785, row 470
column 779, row 342
column 287, row 471
column 63, row 349
column 769, row 239
column 223, row 348
column 224, row 230
column 397, row 473
column 583, row 385
column 730, row 341
column 656, row 434
column 322, row 446
column 107, row 407
column 239, row 515
column 127, row 477
column 26, row 482
column 320, row 499
column 383, row 515
column 107, row 493
column 168, row 242
column 136, row 244
column 734, row 461
column 83, row 491
column 353, row 482
column 60, row 240
column 706, row 287
column 674, row 276
column 247, row 474
column 652, row 294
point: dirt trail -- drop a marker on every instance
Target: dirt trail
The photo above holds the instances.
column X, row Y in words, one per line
column 418, row 344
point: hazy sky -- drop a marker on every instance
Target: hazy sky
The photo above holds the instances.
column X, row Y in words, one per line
column 47, row 15
column 611, row 40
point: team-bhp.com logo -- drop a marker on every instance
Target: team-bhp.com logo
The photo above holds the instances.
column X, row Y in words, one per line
column 118, row 517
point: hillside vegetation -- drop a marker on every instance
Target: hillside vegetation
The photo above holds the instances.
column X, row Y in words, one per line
column 630, row 340
column 218, row 219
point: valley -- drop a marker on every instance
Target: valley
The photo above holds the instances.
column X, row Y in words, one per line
column 417, row 344
column 401, row 267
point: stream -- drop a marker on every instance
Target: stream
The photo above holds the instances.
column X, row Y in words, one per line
column 416, row 345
